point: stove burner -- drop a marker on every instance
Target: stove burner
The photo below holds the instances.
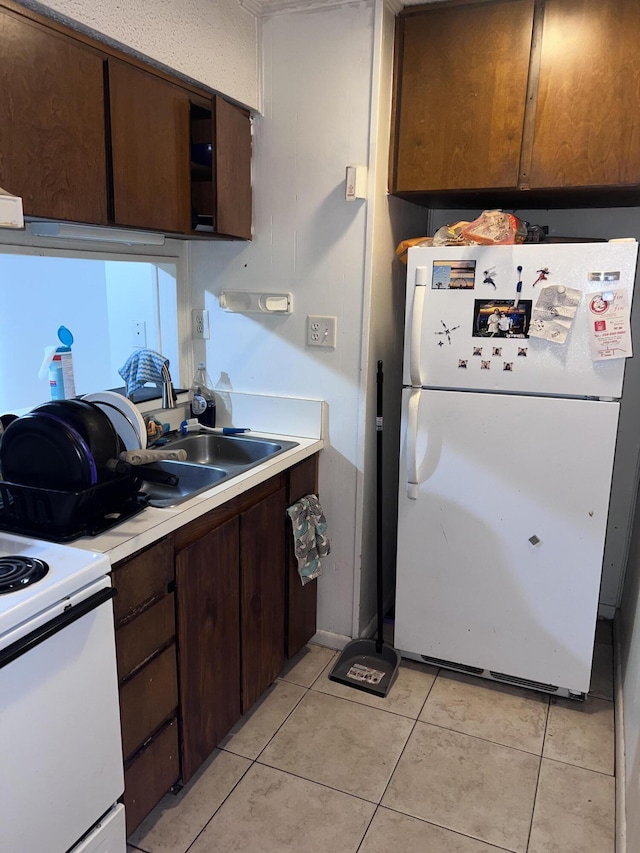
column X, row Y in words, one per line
column 18, row 572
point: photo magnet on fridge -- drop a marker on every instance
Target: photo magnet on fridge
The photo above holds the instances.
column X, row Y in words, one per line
column 453, row 275
column 500, row 318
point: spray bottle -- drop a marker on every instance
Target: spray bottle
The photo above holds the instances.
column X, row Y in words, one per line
column 58, row 364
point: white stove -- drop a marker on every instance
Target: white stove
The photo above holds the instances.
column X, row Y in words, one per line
column 60, row 749
column 69, row 570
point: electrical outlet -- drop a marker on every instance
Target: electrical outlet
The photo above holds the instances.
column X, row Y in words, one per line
column 139, row 335
column 200, row 324
column 321, row 331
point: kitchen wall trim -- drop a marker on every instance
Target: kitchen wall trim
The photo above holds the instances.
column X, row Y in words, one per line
column 267, row 8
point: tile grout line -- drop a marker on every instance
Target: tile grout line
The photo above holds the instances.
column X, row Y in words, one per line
column 215, row 811
column 253, row 762
column 402, row 751
column 367, row 828
column 490, row 844
column 579, row 767
column 285, row 720
column 483, row 739
column 535, row 793
column 313, row 782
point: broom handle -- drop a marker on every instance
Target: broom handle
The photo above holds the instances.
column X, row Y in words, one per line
column 379, row 574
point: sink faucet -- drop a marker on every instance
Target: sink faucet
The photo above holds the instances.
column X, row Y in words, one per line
column 168, row 394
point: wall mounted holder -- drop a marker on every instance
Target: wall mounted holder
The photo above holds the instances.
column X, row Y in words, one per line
column 249, row 301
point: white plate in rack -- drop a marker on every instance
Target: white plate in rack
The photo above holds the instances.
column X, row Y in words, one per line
column 124, row 415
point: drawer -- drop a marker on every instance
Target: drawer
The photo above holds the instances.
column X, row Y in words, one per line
column 142, row 579
column 148, row 699
column 139, row 639
column 150, row 775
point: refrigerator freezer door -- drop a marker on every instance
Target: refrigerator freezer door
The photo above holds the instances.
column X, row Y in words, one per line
column 500, row 555
column 460, row 348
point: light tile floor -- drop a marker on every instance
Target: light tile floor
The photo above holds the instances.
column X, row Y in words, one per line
column 445, row 764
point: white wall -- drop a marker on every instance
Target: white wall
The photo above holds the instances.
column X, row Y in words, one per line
column 309, row 240
column 211, row 41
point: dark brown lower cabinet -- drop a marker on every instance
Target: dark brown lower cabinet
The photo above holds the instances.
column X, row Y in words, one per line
column 144, row 611
column 204, row 619
column 208, row 587
column 150, row 775
column 262, row 563
column 301, row 601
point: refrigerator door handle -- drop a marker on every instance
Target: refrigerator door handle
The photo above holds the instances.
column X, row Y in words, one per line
column 412, row 442
column 417, row 313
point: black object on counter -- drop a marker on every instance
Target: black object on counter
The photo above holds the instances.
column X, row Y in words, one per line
column 63, row 516
column 40, row 449
column 91, row 423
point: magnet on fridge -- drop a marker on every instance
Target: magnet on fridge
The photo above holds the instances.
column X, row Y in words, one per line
column 447, row 331
column 496, row 351
column 522, row 352
column 485, row 365
column 543, row 275
column 507, row 365
column 477, row 350
column 462, row 363
column 488, row 277
column 518, row 288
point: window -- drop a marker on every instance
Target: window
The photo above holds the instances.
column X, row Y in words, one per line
column 112, row 300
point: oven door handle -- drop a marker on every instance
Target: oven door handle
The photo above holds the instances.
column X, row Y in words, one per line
column 58, row 623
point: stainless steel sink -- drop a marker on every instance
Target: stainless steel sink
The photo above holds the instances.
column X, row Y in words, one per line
column 211, row 458
column 193, row 479
column 229, row 450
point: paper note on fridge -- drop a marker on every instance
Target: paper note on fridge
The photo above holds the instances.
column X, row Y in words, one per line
column 554, row 313
column 10, row 210
column 609, row 324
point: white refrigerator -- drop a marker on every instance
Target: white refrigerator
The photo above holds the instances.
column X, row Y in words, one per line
column 513, row 368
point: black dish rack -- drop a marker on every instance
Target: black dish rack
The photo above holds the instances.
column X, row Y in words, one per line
column 64, row 516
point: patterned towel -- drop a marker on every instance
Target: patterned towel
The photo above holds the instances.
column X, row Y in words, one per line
column 142, row 366
column 309, row 536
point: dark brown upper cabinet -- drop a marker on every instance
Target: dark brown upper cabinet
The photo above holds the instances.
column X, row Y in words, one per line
column 149, row 120
column 587, row 122
column 221, row 168
column 52, row 122
column 515, row 102
column 460, row 99
column 90, row 134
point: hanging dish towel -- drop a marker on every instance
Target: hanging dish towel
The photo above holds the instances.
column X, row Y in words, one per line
column 142, row 366
column 309, row 536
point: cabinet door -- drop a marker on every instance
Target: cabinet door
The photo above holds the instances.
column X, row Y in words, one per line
column 262, row 571
column 221, row 182
column 233, row 169
column 587, row 126
column 207, row 585
column 460, row 96
column 150, row 150
column 301, row 600
column 52, row 124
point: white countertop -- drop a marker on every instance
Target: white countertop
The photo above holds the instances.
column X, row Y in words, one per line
column 153, row 523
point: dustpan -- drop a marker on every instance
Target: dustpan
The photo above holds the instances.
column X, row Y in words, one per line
column 368, row 664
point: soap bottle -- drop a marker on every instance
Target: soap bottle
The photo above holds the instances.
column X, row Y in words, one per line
column 58, row 366
column 203, row 400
